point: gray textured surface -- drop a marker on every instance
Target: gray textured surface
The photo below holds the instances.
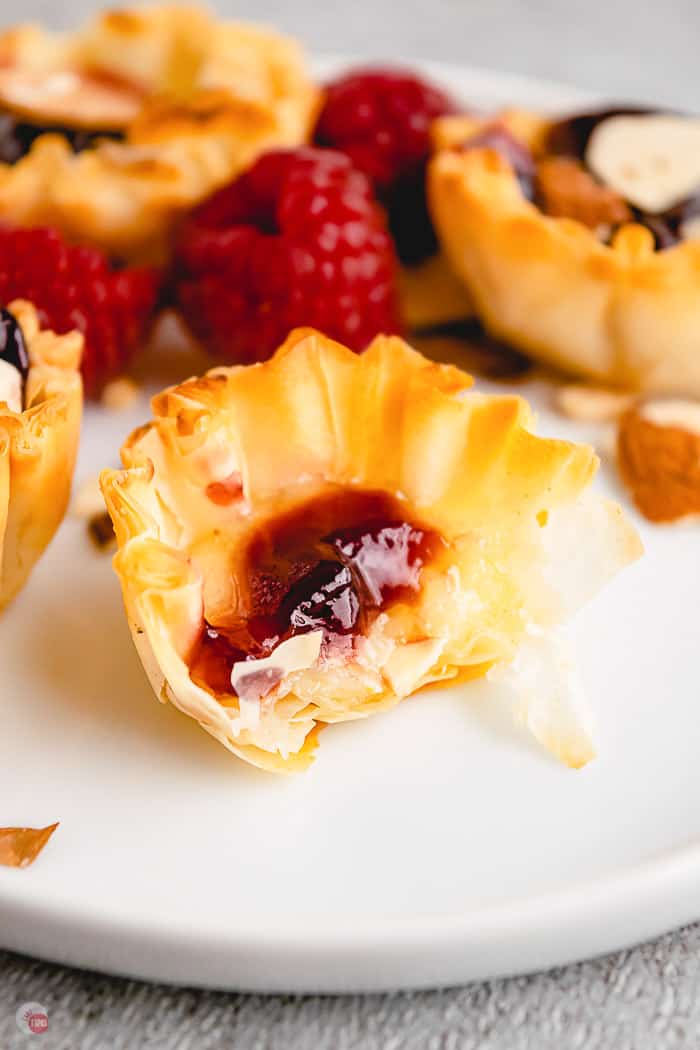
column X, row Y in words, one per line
column 646, row 997
column 646, row 48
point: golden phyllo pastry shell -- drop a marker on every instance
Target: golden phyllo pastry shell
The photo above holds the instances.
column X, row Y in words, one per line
column 37, row 449
column 198, row 100
column 466, row 465
column 622, row 314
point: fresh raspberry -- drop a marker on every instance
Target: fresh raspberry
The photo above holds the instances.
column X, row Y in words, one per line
column 381, row 119
column 298, row 239
column 75, row 287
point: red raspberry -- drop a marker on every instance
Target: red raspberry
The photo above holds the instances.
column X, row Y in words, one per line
column 381, row 118
column 298, row 239
column 75, row 287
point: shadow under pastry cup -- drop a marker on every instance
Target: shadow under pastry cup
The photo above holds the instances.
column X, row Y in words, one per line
column 431, row 295
column 111, row 132
column 313, row 539
column 38, row 446
column 604, row 302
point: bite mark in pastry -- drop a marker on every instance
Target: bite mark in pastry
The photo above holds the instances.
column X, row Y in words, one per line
column 312, row 539
column 564, row 267
column 40, row 411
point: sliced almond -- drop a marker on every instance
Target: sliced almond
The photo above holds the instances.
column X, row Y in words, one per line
column 68, row 98
column 652, row 160
column 409, row 664
column 251, row 680
column 671, row 413
column 592, row 404
column 658, row 452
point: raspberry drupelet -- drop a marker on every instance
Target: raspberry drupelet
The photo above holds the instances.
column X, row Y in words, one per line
column 296, row 240
column 381, row 119
column 75, row 287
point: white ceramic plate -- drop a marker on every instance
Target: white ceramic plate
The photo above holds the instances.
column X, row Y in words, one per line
column 427, row 846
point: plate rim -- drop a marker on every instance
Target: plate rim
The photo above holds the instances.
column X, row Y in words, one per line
column 440, row 950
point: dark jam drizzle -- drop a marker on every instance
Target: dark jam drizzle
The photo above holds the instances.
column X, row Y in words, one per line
column 330, row 564
column 18, row 136
column 13, row 348
column 409, row 220
column 570, row 137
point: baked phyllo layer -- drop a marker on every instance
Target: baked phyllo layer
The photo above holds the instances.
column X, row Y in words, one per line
column 312, row 539
column 40, row 411
column 110, row 132
column 579, row 240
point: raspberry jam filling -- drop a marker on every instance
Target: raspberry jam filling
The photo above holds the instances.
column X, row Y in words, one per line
column 331, row 564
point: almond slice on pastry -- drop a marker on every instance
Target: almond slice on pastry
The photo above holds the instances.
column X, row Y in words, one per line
column 587, row 291
column 650, row 159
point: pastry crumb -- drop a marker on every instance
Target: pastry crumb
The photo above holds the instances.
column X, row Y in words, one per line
column 19, row 847
column 119, row 394
column 101, row 531
column 89, row 505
